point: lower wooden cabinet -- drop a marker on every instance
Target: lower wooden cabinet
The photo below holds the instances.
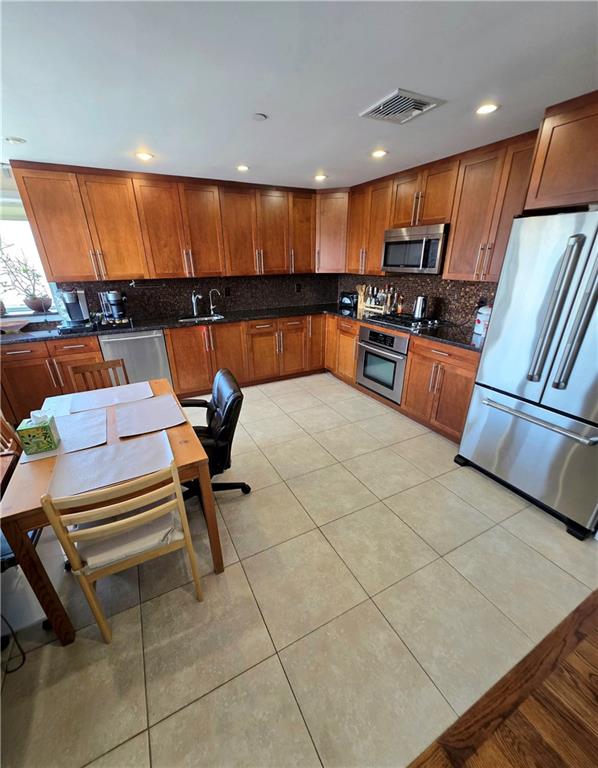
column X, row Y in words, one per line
column 316, row 333
column 292, row 346
column 262, row 349
column 189, row 355
column 227, row 343
column 330, row 343
column 278, row 347
column 27, row 383
column 439, row 381
column 346, row 354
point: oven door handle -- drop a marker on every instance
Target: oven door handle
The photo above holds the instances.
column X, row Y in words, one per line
column 381, row 352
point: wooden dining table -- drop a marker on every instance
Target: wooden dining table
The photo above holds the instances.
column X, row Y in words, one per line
column 21, row 511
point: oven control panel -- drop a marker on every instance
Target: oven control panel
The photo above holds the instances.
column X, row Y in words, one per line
column 383, row 340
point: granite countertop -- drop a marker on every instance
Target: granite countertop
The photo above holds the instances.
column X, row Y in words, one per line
column 458, row 335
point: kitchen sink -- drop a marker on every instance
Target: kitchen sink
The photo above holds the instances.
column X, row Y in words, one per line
column 201, row 319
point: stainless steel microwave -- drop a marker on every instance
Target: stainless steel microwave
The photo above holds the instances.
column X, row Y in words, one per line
column 414, row 249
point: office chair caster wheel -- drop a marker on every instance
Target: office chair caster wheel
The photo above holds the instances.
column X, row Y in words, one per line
column 67, row 566
column 246, row 488
column 46, row 625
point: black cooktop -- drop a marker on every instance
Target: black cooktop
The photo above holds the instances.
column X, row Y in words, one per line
column 409, row 321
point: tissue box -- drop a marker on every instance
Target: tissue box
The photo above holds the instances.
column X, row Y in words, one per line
column 37, row 438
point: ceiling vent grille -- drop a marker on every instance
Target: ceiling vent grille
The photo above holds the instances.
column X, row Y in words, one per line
column 400, row 106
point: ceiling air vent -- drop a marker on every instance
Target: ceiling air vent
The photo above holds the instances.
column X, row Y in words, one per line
column 400, row 106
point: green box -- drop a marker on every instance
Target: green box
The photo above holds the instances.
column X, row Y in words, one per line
column 38, row 438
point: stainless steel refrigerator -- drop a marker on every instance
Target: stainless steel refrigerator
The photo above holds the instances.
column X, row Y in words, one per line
column 533, row 416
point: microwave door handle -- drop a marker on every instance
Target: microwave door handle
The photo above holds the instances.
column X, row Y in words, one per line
column 578, row 332
column 381, row 352
column 555, row 306
column 423, row 253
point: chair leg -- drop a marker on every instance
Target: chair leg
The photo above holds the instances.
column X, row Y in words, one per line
column 231, row 487
column 194, row 569
column 90, row 593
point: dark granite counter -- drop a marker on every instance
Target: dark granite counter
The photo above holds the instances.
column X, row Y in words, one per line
column 458, row 335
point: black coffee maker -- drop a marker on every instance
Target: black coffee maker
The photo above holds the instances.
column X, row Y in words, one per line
column 114, row 307
column 347, row 303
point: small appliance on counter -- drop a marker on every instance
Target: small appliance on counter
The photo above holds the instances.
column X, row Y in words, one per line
column 114, row 308
column 347, row 303
column 420, row 307
column 482, row 318
column 72, row 308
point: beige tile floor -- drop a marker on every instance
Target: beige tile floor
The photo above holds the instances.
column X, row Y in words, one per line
column 373, row 591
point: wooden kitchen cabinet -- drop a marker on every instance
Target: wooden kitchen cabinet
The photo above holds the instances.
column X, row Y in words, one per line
column 293, row 345
column 27, row 383
column 316, row 335
column 202, row 229
column 331, row 231
column 356, row 230
column 54, row 208
column 63, row 365
column 453, row 387
column 418, row 392
column 239, row 227
column 330, row 343
column 189, row 356
column 475, row 197
column 405, row 192
column 565, row 165
column 378, row 220
column 272, row 207
column 302, row 231
column 111, row 210
column 424, row 196
column 262, row 349
column 227, row 343
column 346, row 355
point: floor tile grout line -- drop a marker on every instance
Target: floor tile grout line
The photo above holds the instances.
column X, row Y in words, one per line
column 112, row 749
column 144, row 666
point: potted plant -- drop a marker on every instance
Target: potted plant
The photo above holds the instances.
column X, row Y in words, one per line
column 17, row 273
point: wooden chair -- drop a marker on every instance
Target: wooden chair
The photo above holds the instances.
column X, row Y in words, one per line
column 108, row 373
column 121, row 526
column 9, row 440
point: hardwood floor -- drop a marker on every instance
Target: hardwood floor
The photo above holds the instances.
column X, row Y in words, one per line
column 543, row 713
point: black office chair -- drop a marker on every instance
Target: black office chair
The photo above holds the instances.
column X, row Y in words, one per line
column 217, row 437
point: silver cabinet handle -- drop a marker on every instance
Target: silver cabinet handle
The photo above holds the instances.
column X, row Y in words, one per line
column 438, row 352
column 49, row 367
column 486, row 263
column 309, row 327
column 57, row 369
column 439, row 377
column 257, row 261
column 205, row 339
column 185, row 264
column 263, row 325
column 92, row 258
column 292, row 260
column 211, row 337
column 555, row 306
column 101, row 263
column 481, row 250
column 419, row 200
column 365, row 256
column 294, row 322
column 20, row 352
column 262, row 261
column 191, row 264
column 276, row 342
column 281, row 343
column 73, row 346
column 432, row 382
column 541, row 423
column 579, row 330
column 413, row 208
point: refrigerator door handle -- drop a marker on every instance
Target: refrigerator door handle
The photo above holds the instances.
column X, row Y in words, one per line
column 578, row 332
column 555, row 307
column 588, row 441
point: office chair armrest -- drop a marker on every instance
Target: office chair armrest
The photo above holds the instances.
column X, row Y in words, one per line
column 187, row 403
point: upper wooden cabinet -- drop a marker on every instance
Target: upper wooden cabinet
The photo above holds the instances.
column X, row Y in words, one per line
column 272, row 208
column 331, row 231
column 565, row 167
column 378, row 218
column 111, row 210
column 424, row 196
column 302, row 231
column 162, row 227
column 239, row 227
column 475, row 197
column 356, row 230
column 53, row 205
column 202, row 229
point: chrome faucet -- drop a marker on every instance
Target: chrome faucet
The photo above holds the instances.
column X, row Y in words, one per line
column 195, row 297
column 212, row 306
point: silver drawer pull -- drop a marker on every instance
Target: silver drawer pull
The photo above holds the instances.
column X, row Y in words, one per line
column 263, row 325
column 295, row 322
column 73, row 346
column 438, row 352
column 541, row 423
column 20, row 352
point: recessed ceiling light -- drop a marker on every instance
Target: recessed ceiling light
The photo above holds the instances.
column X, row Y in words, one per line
column 377, row 153
column 243, row 168
column 320, row 177
column 260, row 116
column 15, row 140
column 486, row 109
column 144, row 156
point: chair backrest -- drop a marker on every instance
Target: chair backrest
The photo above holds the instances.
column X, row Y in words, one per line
column 108, row 373
column 9, row 440
column 141, row 500
column 222, row 417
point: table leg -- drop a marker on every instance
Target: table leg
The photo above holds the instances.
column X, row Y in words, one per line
column 209, row 510
column 39, row 580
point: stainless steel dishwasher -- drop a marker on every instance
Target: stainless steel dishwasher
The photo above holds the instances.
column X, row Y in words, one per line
column 144, row 354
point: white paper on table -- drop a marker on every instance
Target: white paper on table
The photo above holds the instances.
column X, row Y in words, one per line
column 109, row 464
column 77, row 431
column 145, row 416
column 57, row 405
column 101, row 398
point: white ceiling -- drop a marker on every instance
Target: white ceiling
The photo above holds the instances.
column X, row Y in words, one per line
column 90, row 83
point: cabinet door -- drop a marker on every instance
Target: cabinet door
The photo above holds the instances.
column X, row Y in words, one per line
column 54, row 208
column 292, row 346
column 419, row 385
column 565, row 170
column 331, row 343
column 202, row 227
column 509, row 203
column 27, row 383
column 380, row 195
column 162, row 227
column 453, row 387
column 356, row 230
column 262, row 350
column 273, row 230
column 239, row 229
column 406, row 187
column 475, row 196
column 331, row 231
column 189, row 357
column 227, row 344
column 346, row 352
column 109, row 203
column 302, row 221
column 437, row 193
column 316, row 333
column 63, row 365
